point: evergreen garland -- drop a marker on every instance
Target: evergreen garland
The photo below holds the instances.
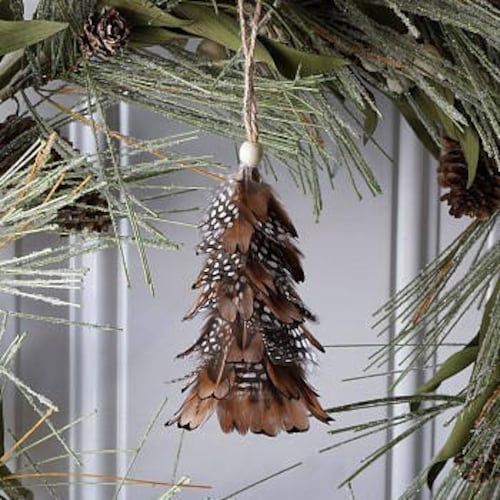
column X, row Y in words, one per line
column 318, row 64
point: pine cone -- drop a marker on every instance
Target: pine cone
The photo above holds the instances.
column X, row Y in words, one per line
column 484, row 466
column 254, row 346
column 479, row 201
column 481, row 469
column 105, row 33
column 10, row 149
column 88, row 214
column 80, row 216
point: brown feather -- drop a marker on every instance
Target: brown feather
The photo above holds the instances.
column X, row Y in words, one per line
column 225, row 413
column 258, row 416
column 203, row 411
column 238, row 237
column 259, row 277
column 280, row 307
column 198, row 281
column 224, row 387
column 193, row 412
column 276, row 208
column 244, row 335
column 273, row 419
column 292, row 258
column 283, row 380
column 225, row 305
column 190, row 349
column 236, row 352
column 205, row 386
column 224, row 335
column 294, row 416
column 254, row 353
column 245, row 303
column 197, row 305
column 314, row 341
column 243, row 416
column 311, row 399
column 256, row 197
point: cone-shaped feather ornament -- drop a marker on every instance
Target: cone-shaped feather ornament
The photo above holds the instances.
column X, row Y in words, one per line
column 254, row 346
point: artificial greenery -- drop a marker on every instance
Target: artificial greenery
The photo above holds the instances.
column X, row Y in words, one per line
column 319, row 63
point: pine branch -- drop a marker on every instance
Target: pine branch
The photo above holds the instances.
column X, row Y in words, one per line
column 427, row 306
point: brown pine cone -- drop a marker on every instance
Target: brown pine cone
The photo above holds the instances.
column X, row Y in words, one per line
column 93, row 217
column 105, row 33
column 78, row 217
column 483, row 467
column 89, row 213
column 479, row 201
column 10, row 149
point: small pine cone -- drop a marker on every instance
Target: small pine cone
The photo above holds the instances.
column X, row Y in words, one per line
column 481, row 469
column 104, row 34
column 88, row 214
column 12, row 128
column 479, row 201
column 484, row 467
column 77, row 217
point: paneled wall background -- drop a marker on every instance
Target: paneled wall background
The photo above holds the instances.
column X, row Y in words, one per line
column 356, row 256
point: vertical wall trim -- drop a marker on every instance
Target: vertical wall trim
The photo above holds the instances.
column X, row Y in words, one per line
column 93, row 381
column 75, row 135
column 72, row 381
column 393, row 284
column 431, row 250
column 122, row 390
column 412, row 222
column 12, row 407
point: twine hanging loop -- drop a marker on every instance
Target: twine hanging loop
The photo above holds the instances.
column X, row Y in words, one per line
column 250, row 150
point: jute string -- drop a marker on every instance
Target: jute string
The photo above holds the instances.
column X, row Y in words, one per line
column 248, row 30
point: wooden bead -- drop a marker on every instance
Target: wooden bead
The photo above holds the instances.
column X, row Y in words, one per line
column 250, row 153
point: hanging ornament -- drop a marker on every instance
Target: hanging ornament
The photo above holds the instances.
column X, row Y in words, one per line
column 254, row 346
column 479, row 201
